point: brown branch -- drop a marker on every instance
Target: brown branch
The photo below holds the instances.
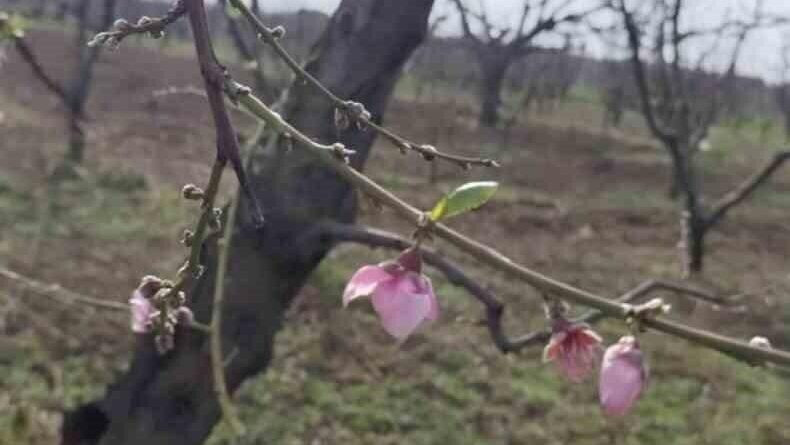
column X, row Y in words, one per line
column 62, row 295
column 640, row 73
column 592, row 317
column 746, row 188
column 353, row 110
column 465, row 27
column 145, row 25
column 30, row 57
column 379, row 238
column 495, row 309
column 215, row 76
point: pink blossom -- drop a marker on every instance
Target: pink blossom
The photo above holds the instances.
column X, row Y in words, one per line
column 140, row 304
column 401, row 295
column 574, row 348
column 623, row 376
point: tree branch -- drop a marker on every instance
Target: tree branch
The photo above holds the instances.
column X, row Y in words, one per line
column 145, row 25
column 214, row 76
column 379, row 238
column 59, row 293
column 29, row 56
column 465, row 27
column 640, row 74
column 495, row 309
column 355, row 111
column 746, row 188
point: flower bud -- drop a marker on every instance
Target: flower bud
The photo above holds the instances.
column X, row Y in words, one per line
column 278, row 32
column 623, row 377
column 187, row 238
column 574, row 348
column 121, row 25
column 192, row 192
column 760, row 342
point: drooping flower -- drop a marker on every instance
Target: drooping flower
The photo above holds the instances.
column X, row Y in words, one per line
column 141, row 306
column 623, row 376
column 574, row 348
column 401, row 295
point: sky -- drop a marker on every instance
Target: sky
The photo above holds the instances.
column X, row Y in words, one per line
column 760, row 56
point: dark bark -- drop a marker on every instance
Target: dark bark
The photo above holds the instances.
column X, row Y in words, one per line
column 166, row 400
column 696, row 249
column 492, row 71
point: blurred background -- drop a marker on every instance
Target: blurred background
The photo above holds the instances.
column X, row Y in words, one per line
column 96, row 145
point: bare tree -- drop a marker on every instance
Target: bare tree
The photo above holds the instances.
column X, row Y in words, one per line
column 73, row 93
column 496, row 48
column 680, row 101
column 80, row 83
column 615, row 94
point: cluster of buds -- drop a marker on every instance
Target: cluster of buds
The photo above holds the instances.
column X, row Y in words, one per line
column 157, row 308
column 351, row 112
column 122, row 28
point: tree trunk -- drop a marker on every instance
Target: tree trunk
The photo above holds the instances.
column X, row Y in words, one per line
column 694, row 228
column 169, row 400
column 80, row 84
column 696, row 250
column 493, row 75
column 693, row 222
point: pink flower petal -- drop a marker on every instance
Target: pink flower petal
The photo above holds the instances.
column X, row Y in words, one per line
column 623, row 377
column 574, row 348
column 364, row 282
column 552, row 349
column 402, row 304
column 411, row 260
column 423, row 286
column 141, row 310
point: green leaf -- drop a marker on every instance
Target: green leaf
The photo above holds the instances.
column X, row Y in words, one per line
column 463, row 199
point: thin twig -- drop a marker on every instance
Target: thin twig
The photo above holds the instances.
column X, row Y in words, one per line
column 62, row 295
column 746, row 188
column 214, row 76
column 30, row 57
column 59, row 293
column 354, row 110
column 217, row 362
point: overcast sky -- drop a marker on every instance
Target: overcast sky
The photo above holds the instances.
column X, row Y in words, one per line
column 760, row 56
